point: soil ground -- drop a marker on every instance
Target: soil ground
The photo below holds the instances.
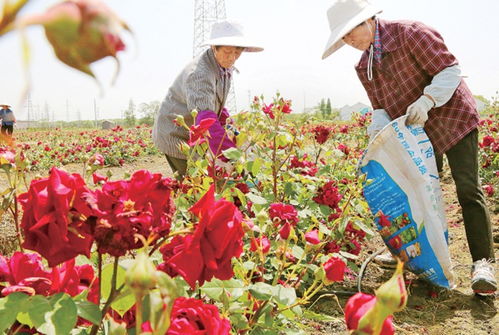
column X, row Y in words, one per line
column 429, row 310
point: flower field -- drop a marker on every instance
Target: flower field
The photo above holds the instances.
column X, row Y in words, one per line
column 270, row 242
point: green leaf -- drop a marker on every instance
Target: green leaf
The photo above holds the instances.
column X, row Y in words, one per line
column 257, row 164
column 125, row 300
column 24, row 319
column 262, row 291
column 255, row 199
column 57, row 315
column 283, row 139
column 216, row 288
column 297, row 252
column 89, row 311
column 38, row 307
column 232, row 153
column 239, row 321
column 10, row 306
column 285, row 295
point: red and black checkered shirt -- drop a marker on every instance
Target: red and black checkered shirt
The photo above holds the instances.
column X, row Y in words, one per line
column 412, row 54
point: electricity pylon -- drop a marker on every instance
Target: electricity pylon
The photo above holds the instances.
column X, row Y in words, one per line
column 207, row 12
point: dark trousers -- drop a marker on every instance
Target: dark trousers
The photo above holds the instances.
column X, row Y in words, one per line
column 177, row 165
column 7, row 130
column 464, row 165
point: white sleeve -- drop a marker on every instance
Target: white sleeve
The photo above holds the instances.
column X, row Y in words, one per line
column 379, row 120
column 444, row 84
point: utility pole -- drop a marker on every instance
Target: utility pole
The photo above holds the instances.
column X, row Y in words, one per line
column 29, row 107
column 96, row 113
column 207, row 12
column 67, row 110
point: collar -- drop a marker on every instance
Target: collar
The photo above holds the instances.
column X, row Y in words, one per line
column 388, row 32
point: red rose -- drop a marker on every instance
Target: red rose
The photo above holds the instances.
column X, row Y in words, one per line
column 142, row 205
column 343, row 148
column 487, row 141
column 243, row 187
column 54, row 217
column 335, row 269
column 197, row 132
column 284, row 215
column 260, row 243
column 357, row 306
column 489, row 190
column 268, row 110
column 193, row 317
column 208, row 252
column 328, row 195
column 97, row 178
column 312, row 237
column 321, row 133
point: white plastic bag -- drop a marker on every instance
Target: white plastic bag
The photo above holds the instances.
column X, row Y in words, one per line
column 402, row 183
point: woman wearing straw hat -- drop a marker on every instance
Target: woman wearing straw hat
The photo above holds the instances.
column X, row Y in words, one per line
column 202, row 85
column 8, row 120
column 406, row 68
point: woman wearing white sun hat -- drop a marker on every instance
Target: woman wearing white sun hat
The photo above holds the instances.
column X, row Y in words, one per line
column 406, row 68
column 202, row 85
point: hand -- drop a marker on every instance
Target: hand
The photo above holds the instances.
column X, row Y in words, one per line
column 417, row 112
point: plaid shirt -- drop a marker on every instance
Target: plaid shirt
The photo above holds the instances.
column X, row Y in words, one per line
column 412, row 54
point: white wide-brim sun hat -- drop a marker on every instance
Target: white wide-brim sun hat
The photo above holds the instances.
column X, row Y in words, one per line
column 231, row 33
column 343, row 16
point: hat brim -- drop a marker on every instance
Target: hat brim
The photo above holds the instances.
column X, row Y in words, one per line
column 335, row 38
column 235, row 42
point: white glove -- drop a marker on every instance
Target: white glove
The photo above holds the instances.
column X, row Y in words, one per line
column 417, row 112
column 379, row 120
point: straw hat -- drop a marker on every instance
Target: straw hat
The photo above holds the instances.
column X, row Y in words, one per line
column 5, row 105
column 231, row 33
column 343, row 16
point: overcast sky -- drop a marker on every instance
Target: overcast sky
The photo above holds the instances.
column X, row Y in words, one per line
column 294, row 33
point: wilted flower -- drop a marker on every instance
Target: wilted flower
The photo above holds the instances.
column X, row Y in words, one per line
column 328, row 195
column 142, row 205
column 321, row 133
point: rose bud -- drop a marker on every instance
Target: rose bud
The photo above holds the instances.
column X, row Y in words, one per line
column 81, row 32
column 391, row 297
column 141, row 276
